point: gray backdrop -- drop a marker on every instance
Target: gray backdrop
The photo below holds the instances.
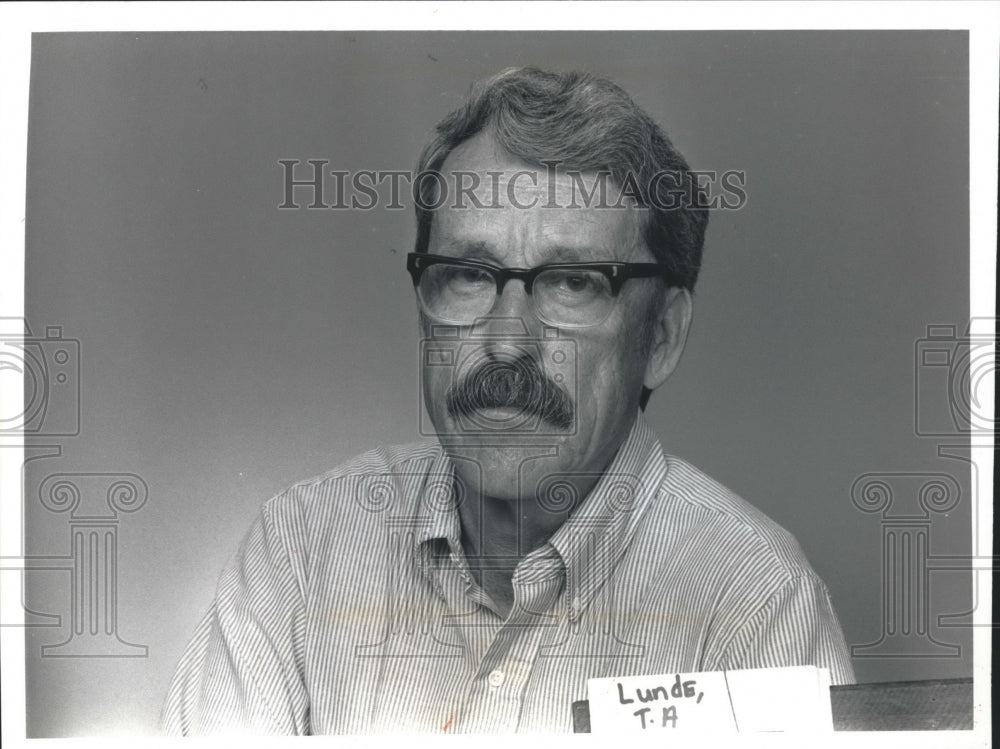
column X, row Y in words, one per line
column 228, row 348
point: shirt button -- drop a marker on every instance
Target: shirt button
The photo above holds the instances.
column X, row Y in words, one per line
column 495, row 678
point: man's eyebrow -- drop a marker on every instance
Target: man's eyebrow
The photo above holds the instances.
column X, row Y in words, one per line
column 566, row 254
column 470, row 250
column 482, row 250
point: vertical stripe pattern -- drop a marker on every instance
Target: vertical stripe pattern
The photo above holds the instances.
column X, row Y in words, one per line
column 350, row 607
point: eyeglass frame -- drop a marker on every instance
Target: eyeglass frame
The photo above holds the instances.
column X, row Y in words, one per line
column 616, row 272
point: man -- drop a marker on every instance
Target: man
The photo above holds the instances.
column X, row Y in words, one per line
column 476, row 583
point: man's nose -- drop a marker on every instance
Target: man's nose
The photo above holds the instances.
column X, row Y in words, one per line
column 512, row 313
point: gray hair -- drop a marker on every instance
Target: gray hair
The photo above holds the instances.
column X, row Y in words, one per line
column 585, row 123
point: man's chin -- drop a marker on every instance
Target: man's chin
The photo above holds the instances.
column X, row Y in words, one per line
column 506, row 468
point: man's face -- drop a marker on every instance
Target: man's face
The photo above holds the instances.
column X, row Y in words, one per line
column 599, row 369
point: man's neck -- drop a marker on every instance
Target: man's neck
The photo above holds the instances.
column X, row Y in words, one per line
column 498, row 533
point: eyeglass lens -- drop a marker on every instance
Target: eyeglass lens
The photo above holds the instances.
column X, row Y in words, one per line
column 567, row 297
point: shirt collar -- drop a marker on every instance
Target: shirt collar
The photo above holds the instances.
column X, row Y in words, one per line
column 434, row 511
column 594, row 537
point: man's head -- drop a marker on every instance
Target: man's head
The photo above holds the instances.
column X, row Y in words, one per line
column 587, row 124
column 530, row 148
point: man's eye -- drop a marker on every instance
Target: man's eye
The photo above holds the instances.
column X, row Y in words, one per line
column 578, row 283
column 468, row 276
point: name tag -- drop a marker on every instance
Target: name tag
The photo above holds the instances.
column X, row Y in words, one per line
column 748, row 701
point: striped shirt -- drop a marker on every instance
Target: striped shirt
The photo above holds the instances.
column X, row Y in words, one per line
column 350, row 607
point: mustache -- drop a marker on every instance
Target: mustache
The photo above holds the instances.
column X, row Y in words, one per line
column 511, row 383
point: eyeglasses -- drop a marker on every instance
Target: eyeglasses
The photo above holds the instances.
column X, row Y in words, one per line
column 567, row 295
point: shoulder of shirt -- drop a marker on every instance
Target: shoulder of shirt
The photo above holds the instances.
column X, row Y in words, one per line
column 742, row 525
column 384, row 460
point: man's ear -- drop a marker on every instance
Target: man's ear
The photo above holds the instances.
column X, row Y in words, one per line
column 669, row 334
